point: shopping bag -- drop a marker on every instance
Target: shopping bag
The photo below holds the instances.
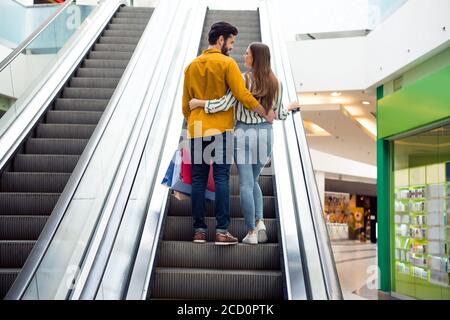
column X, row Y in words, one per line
column 186, row 171
column 179, row 176
column 168, row 177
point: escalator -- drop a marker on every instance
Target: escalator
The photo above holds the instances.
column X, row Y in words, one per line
column 34, row 178
column 186, row 270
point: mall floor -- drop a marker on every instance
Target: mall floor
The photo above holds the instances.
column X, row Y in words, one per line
column 356, row 264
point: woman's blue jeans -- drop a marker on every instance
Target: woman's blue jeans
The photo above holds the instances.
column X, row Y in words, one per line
column 252, row 149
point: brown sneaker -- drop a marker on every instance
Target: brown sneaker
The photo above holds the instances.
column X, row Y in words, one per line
column 200, row 237
column 224, row 239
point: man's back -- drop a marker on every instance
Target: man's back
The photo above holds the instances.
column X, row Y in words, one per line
column 208, row 77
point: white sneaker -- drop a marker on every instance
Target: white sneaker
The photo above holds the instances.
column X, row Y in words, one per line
column 261, row 231
column 250, row 238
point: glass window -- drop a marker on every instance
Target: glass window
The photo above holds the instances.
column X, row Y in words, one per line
column 421, row 207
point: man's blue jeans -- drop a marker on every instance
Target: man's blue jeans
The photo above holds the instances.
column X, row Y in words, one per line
column 218, row 149
column 252, row 149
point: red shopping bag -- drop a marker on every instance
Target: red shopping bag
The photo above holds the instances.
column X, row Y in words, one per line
column 186, row 171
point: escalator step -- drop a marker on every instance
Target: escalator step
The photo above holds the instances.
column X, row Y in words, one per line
column 99, row 73
column 136, row 9
column 128, row 21
column 243, row 39
column 131, row 15
column 38, row 182
column 265, row 183
column 16, row 227
column 27, row 203
column 122, row 33
column 183, row 207
column 239, row 23
column 114, row 47
column 7, row 278
column 119, row 40
column 45, row 163
column 177, row 283
column 15, row 253
column 239, row 51
column 73, row 117
column 81, row 105
column 55, row 146
column 179, row 254
column 131, row 27
column 109, row 64
column 77, row 82
column 65, row 131
column 88, row 93
column 232, row 13
column 179, row 228
column 247, row 32
column 267, row 170
column 110, row 55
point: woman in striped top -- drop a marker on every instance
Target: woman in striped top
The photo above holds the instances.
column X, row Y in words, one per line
column 253, row 134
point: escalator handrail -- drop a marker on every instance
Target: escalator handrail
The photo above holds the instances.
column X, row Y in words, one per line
column 300, row 150
column 295, row 273
column 110, row 279
column 90, row 31
column 36, row 33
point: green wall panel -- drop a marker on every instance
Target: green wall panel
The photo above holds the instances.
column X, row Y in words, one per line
column 383, row 211
column 424, row 102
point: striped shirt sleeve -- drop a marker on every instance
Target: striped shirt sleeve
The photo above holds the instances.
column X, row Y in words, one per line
column 280, row 111
column 221, row 104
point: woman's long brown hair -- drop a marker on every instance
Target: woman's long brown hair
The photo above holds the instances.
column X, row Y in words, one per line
column 264, row 82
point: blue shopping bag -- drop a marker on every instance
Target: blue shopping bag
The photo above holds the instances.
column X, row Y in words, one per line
column 167, row 180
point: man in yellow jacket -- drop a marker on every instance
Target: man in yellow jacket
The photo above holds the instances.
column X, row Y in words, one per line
column 208, row 77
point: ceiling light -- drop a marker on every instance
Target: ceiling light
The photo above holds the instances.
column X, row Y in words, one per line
column 366, row 102
column 335, row 94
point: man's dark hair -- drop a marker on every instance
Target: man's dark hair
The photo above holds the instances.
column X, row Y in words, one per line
column 221, row 28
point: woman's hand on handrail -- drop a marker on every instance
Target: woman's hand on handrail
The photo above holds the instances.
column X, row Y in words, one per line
column 294, row 106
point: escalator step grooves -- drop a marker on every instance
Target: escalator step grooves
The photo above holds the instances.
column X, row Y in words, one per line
column 179, row 254
column 7, row 277
column 81, row 105
column 27, row 203
column 65, row 131
column 179, row 228
column 55, row 146
column 14, row 253
column 177, row 283
column 183, row 207
column 40, row 171
column 19, row 227
column 39, row 182
column 45, row 163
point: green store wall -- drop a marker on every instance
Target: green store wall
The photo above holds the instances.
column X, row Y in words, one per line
column 423, row 100
column 420, row 71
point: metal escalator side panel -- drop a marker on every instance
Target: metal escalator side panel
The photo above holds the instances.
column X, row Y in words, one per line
column 145, row 257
